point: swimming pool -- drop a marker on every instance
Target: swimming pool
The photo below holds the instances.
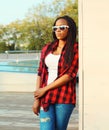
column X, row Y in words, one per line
column 23, row 66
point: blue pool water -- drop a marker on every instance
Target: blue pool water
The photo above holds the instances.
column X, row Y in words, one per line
column 27, row 66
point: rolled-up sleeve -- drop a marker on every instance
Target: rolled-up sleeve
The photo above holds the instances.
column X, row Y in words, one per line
column 73, row 69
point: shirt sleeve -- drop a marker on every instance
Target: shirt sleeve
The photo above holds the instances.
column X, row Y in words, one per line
column 73, row 69
column 40, row 64
column 41, row 61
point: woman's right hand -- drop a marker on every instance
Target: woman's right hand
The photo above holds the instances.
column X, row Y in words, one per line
column 36, row 106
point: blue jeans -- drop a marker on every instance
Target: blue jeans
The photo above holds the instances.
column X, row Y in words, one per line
column 56, row 118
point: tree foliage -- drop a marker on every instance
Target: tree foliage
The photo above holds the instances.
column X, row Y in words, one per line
column 35, row 30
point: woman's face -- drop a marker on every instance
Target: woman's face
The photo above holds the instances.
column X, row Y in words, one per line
column 61, row 31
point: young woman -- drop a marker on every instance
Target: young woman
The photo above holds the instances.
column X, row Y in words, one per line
column 55, row 95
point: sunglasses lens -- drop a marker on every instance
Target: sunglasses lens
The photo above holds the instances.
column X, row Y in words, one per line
column 62, row 28
column 55, row 28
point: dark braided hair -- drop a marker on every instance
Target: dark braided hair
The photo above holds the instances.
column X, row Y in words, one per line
column 71, row 38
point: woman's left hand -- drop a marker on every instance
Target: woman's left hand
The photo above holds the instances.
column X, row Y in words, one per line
column 39, row 92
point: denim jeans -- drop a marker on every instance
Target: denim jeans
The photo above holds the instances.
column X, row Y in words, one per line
column 56, row 118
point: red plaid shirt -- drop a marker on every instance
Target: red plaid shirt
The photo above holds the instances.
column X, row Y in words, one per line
column 65, row 94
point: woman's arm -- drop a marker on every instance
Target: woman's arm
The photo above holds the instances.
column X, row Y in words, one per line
column 57, row 83
column 36, row 104
column 38, row 82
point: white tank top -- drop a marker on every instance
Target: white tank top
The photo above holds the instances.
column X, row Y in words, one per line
column 51, row 62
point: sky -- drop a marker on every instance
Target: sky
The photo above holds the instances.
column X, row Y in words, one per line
column 12, row 10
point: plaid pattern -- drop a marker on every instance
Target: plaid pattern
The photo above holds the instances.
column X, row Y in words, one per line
column 67, row 93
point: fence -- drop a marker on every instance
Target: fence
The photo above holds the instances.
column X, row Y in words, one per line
column 20, row 55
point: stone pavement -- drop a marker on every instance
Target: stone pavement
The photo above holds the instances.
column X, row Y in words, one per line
column 16, row 112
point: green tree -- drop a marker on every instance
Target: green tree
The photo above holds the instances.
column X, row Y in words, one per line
column 3, row 47
column 43, row 17
column 33, row 32
column 71, row 9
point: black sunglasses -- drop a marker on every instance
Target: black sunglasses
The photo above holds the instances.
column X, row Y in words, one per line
column 62, row 27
